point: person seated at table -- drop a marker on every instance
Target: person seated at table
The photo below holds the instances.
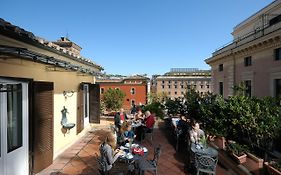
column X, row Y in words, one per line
column 138, row 116
column 149, row 121
column 196, row 134
column 127, row 135
column 119, row 118
column 110, row 152
column 147, row 126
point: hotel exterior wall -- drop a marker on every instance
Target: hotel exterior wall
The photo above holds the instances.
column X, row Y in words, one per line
column 140, row 95
column 65, row 81
column 62, row 79
column 262, row 72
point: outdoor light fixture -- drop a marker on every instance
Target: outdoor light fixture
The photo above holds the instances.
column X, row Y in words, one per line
column 68, row 93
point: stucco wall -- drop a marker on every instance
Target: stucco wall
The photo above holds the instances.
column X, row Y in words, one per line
column 62, row 79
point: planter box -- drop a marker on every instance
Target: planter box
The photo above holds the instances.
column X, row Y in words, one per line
column 220, row 142
column 239, row 159
column 271, row 170
column 254, row 164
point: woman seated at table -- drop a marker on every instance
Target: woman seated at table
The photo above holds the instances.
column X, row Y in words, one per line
column 110, row 152
column 127, row 135
column 196, row 134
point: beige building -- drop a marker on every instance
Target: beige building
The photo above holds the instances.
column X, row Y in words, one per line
column 48, row 99
column 178, row 80
column 254, row 56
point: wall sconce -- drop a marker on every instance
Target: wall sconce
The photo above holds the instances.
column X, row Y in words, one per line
column 67, row 94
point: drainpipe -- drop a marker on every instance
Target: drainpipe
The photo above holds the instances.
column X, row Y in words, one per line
column 234, row 70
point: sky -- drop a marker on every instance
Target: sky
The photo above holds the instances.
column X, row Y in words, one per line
column 136, row 36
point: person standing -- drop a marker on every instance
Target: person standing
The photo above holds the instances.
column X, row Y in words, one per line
column 119, row 118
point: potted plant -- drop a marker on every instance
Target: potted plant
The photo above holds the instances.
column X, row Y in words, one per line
column 237, row 151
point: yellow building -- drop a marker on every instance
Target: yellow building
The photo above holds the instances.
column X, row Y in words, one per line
column 48, row 99
column 176, row 82
column 253, row 57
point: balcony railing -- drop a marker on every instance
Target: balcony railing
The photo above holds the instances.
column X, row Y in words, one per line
column 247, row 38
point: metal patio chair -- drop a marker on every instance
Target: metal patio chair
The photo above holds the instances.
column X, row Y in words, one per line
column 150, row 165
column 206, row 164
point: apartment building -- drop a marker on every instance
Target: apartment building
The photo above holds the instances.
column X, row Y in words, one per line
column 253, row 57
column 176, row 82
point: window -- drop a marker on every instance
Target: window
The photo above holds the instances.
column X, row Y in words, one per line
column 248, row 61
column 117, row 88
column 169, row 82
column 277, row 87
column 182, row 86
column 201, row 86
column 221, row 67
column 163, row 86
column 188, row 86
column 133, row 91
column 275, row 20
column 163, row 82
column 169, row 93
column 248, row 88
column 101, row 90
column 221, row 88
column 208, row 86
column 194, row 86
column 14, row 117
column 277, row 53
column 182, row 93
column 176, row 86
column 176, row 82
column 169, row 86
column 176, row 92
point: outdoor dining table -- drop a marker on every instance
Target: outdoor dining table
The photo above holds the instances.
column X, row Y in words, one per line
column 199, row 150
column 129, row 151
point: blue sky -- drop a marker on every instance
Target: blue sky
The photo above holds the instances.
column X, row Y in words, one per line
column 136, row 36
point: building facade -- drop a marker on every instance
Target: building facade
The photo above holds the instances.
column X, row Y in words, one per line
column 134, row 87
column 253, row 58
column 176, row 82
column 48, row 98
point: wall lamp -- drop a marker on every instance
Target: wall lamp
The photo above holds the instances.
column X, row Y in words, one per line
column 68, row 93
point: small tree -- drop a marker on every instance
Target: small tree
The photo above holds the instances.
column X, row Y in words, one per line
column 113, row 99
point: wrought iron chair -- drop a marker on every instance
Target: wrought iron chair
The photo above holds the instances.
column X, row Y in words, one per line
column 150, row 165
column 206, row 164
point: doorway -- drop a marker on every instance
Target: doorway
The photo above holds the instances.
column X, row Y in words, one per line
column 13, row 127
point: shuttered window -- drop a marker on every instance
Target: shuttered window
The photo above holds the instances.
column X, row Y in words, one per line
column 42, row 125
column 94, row 103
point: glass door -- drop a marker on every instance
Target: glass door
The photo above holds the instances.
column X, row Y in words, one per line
column 86, row 104
column 14, row 128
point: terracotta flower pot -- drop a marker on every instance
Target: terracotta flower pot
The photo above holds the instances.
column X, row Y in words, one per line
column 220, row 142
column 271, row 170
column 239, row 159
column 254, row 164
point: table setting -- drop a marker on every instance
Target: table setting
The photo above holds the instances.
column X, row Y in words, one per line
column 133, row 151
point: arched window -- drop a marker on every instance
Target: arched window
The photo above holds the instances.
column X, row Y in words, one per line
column 133, row 91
